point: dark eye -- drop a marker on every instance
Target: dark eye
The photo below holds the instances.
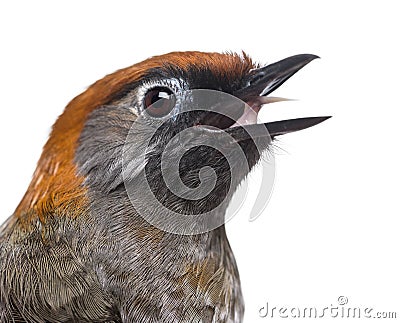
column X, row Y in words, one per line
column 159, row 101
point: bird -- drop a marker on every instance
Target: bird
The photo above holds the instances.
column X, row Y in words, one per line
column 90, row 242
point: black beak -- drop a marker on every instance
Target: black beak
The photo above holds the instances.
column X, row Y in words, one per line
column 263, row 81
column 273, row 129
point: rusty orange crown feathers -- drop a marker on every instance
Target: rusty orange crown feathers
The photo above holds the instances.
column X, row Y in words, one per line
column 55, row 184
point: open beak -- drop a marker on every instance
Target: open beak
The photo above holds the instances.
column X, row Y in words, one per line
column 260, row 83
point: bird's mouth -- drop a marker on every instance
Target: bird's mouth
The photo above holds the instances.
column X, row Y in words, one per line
column 242, row 123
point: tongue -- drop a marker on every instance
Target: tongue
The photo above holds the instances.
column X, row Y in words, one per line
column 251, row 110
column 248, row 117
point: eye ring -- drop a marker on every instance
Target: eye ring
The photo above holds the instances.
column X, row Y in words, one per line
column 159, row 101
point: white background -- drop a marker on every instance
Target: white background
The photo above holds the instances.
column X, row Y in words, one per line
column 332, row 225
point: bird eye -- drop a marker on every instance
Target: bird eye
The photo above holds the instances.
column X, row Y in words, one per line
column 159, row 101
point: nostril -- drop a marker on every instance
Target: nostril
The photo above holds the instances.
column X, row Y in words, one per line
column 256, row 78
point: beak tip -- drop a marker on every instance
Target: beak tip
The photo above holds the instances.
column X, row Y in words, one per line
column 278, row 128
column 314, row 56
column 307, row 58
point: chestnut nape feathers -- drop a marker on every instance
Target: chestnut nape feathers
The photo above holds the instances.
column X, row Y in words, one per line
column 123, row 219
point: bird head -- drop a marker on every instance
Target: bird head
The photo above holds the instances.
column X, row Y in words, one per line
column 149, row 151
column 124, row 134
